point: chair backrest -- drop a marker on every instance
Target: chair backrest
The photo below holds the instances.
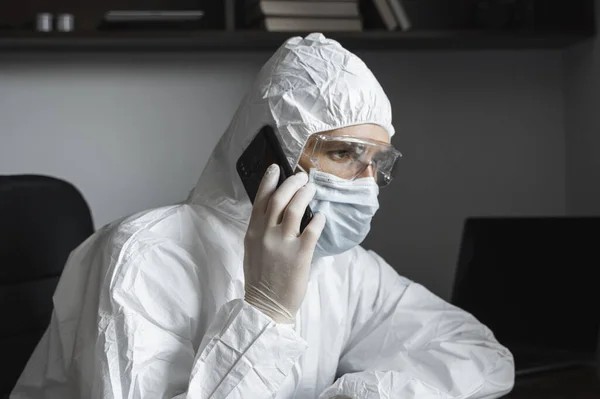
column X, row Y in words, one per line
column 42, row 219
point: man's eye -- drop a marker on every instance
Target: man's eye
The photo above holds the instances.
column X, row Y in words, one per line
column 339, row 155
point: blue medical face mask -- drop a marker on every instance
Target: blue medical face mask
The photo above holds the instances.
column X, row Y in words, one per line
column 348, row 205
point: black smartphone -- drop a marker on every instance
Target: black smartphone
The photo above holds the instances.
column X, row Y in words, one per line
column 262, row 152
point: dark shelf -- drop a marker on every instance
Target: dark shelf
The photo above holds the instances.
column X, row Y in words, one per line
column 258, row 40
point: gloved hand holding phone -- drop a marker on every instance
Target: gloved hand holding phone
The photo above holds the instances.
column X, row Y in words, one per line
column 277, row 258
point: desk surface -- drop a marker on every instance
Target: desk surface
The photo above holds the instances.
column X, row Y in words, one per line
column 582, row 383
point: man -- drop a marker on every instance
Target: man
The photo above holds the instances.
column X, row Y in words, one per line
column 215, row 298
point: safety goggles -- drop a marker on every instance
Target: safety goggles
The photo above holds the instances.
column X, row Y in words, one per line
column 349, row 157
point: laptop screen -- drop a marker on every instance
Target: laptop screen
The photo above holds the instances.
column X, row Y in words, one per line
column 533, row 281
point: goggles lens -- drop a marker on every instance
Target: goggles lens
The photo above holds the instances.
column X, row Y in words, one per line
column 349, row 157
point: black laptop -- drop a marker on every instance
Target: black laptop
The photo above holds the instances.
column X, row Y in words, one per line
column 534, row 282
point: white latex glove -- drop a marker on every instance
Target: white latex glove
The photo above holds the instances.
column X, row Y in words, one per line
column 277, row 257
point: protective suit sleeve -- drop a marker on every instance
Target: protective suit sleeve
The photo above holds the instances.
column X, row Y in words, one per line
column 407, row 343
column 152, row 342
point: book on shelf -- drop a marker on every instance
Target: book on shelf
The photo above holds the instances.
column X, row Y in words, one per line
column 299, row 8
column 153, row 15
column 229, row 15
column 180, row 20
column 385, row 14
column 303, row 15
column 400, row 14
column 283, row 24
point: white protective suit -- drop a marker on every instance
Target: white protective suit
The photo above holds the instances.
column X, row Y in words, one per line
column 152, row 306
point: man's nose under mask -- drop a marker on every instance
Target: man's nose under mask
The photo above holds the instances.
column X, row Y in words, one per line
column 348, row 205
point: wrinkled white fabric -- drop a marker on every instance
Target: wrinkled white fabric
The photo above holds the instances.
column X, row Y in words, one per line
column 349, row 206
column 152, row 306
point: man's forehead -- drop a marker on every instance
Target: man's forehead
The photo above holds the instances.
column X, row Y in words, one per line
column 364, row 131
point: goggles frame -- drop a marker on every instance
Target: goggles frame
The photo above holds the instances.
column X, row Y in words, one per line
column 382, row 177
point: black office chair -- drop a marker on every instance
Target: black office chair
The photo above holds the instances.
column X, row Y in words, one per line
column 42, row 219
